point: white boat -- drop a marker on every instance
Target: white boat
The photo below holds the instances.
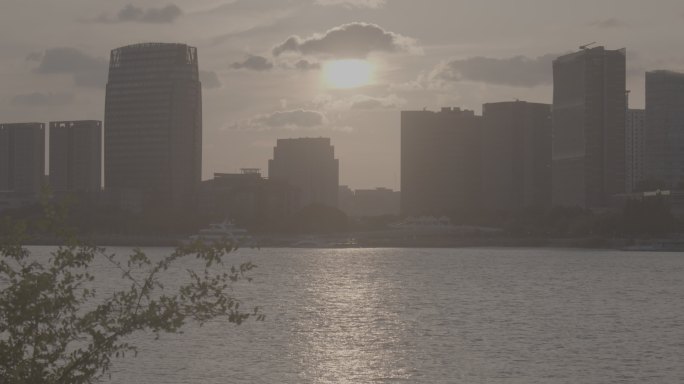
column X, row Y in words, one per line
column 225, row 231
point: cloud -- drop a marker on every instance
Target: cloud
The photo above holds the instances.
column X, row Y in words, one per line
column 608, row 23
column 354, row 3
column 131, row 13
column 291, row 119
column 209, row 79
column 254, row 63
column 298, row 118
column 306, row 65
column 518, row 71
column 359, row 102
column 86, row 70
column 353, row 40
column 38, row 99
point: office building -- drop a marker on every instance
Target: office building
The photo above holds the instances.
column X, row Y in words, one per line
column 153, row 126
column 22, row 159
column 76, row 156
column 664, row 140
column 310, row 165
column 589, row 110
column 634, row 148
column 516, row 156
column 441, row 162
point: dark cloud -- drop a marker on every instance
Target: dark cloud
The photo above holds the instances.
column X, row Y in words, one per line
column 209, row 79
column 354, row 40
column 38, row 99
column 306, row 65
column 86, row 70
column 608, row 23
column 297, row 118
column 34, row 56
column 254, row 63
column 518, row 71
column 131, row 13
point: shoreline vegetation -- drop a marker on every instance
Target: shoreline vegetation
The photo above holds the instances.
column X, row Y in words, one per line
column 372, row 239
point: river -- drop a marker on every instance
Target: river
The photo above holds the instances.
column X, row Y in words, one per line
column 469, row 315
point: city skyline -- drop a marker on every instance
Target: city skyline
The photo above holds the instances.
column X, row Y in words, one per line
column 255, row 94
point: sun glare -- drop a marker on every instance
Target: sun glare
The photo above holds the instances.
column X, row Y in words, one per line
column 347, row 73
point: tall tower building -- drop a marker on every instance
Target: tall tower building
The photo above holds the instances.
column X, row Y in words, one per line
column 665, row 128
column 589, row 108
column 153, row 125
column 22, row 158
column 634, row 147
column 310, row 165
column 440, row 162
column 76, row 156
column 516, row 155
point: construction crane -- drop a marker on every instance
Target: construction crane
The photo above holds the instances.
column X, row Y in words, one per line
column 585, row 46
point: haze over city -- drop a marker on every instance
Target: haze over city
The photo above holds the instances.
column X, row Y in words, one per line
column 268, row 68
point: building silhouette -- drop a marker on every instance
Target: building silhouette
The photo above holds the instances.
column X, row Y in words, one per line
column 310, row 165
column 665, row 128
column 76, row 156
column 440, row 162
column 153, row 126
column 589, row 108
column 248, row 199
column 368, row 202
column 634, row 148
column 516, row 156
column 22, row 159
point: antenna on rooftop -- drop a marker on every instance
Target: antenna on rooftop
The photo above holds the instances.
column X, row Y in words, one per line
column 585, row 46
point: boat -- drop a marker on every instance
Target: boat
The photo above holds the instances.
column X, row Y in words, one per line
column 225, row 231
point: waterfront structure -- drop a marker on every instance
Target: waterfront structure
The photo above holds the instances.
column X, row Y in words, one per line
column 310, row 165
column 664, row 139
column 153, row 126
column 634, row 148
column 589, row 109
column 22, row 159
column 441, row 162
column 76, row 156
column 516, row 156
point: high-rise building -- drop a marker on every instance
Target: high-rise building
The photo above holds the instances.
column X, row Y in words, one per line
column 310, row 165
column 589, row 109
column 76, row 156
column 664, row 140
column 22, row 158
column 440, row 162
column 634, row 147
column 516, row 156
column 153, row 125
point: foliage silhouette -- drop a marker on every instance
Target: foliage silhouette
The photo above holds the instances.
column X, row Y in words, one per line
column 56, row 327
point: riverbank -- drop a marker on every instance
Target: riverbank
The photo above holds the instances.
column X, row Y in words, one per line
column 377, row 240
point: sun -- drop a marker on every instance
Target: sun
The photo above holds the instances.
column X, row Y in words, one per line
column 349, row 73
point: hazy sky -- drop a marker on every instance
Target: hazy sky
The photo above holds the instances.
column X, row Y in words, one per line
column 261, row 63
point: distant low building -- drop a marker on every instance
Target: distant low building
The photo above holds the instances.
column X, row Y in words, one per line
column 310, row 165
column 370, row 202
column 247, row 198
